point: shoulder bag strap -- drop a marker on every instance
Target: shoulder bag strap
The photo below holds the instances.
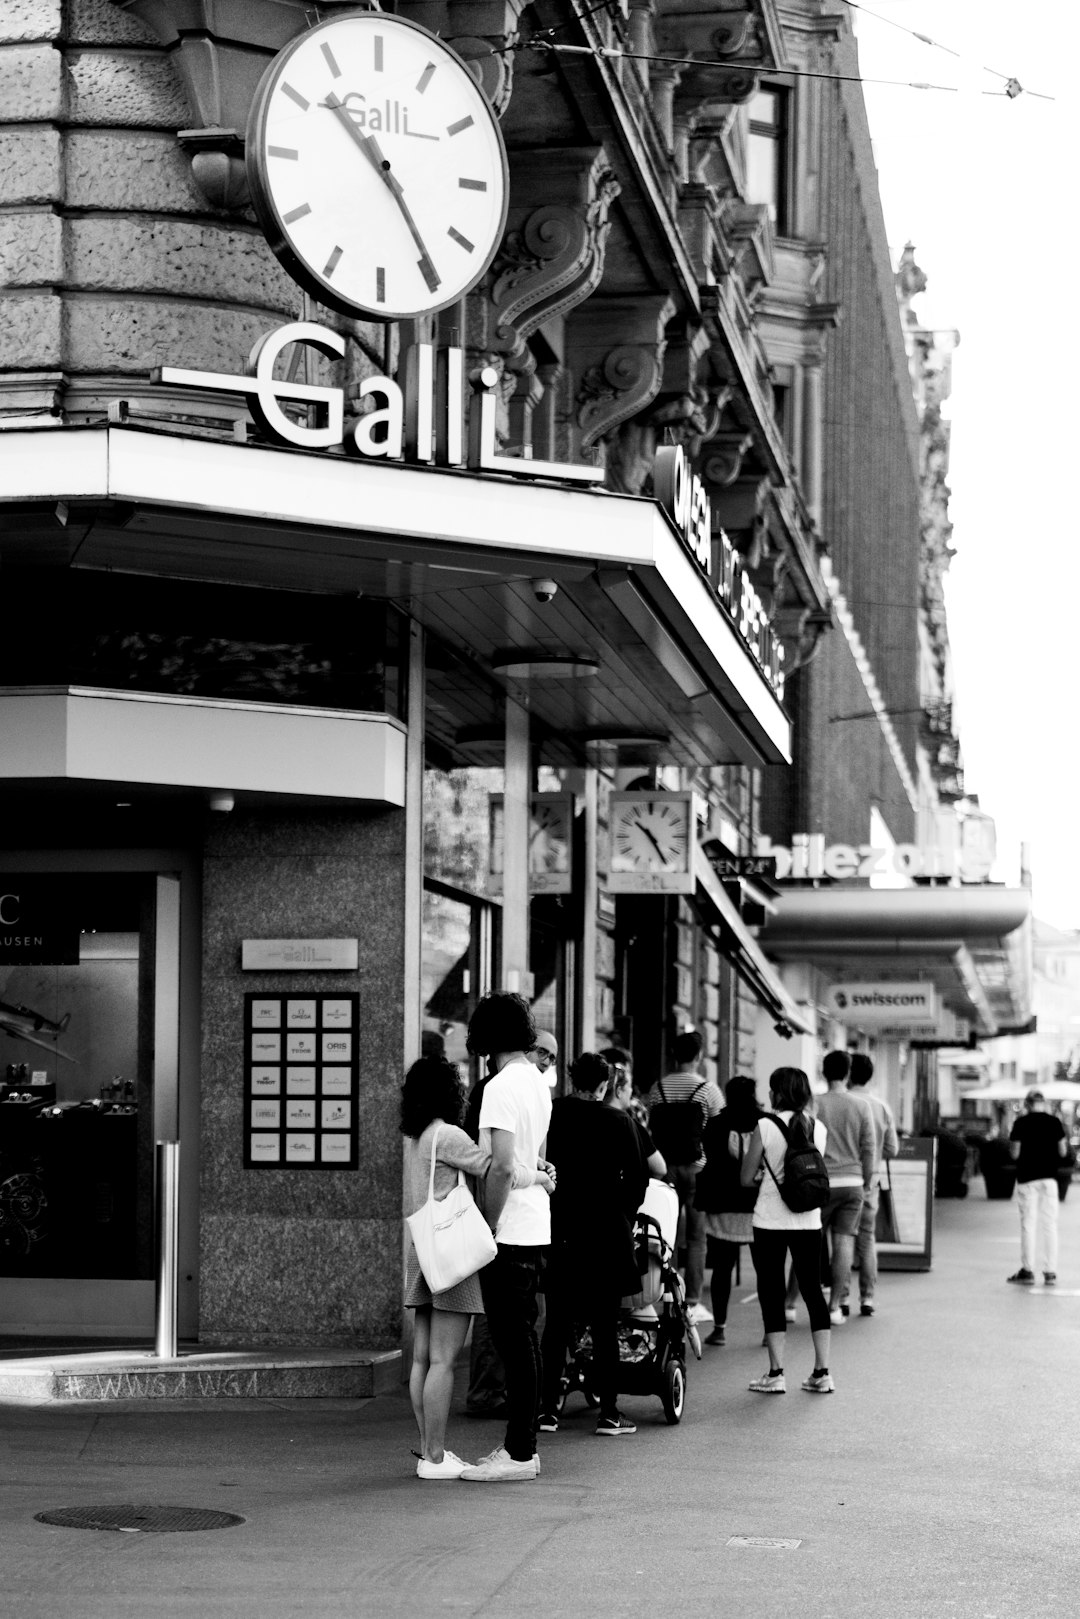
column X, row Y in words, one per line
column 782, row 1127
column 660, row 1088
column 431, row 1175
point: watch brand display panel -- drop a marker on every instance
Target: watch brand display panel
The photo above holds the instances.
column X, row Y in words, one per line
column 301, row 1081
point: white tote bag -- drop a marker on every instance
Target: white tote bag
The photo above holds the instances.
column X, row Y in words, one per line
column 451, row 1236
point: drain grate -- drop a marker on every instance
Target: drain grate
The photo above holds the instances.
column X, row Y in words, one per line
column 149, row 1520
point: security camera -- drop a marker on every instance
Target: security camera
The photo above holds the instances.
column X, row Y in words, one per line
column 544, row 589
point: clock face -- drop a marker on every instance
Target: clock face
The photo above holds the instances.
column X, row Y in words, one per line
column 377, row 167
column 651, row 835
column 549, row 847
column 550, row 821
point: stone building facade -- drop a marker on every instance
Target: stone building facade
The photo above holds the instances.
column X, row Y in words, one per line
column 280, row 728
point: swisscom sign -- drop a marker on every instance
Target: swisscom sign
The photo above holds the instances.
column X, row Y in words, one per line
column 872, row 1005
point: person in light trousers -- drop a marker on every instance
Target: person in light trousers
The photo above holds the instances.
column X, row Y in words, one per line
column 1038, row 1144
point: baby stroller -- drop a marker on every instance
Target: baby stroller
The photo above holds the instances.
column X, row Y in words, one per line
column 654, row 1328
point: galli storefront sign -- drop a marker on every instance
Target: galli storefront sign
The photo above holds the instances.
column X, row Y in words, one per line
column 424, row 420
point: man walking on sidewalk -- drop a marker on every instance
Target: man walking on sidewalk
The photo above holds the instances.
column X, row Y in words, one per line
column 1038, row 1144
column 514, row 1115
column 886, row 1145
column 850, row 1159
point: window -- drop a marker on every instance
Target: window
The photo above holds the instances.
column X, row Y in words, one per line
column 766, row 153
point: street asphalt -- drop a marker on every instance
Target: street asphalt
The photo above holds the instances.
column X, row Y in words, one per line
column 941, row 1479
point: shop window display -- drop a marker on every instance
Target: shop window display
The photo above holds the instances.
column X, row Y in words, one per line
column 76, row 1149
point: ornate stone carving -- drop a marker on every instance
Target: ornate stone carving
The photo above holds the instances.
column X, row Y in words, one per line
column 620, row 360
column 724, row 460
column 553, row 254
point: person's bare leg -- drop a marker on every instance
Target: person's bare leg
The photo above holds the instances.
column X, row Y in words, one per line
column 420, row 1363
column 822, row 1344
column 448, row 1330
column 774, row 1343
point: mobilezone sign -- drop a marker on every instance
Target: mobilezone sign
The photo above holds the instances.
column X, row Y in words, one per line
column 880, row 1005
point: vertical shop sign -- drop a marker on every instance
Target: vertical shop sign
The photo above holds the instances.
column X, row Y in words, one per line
column 301, row 1081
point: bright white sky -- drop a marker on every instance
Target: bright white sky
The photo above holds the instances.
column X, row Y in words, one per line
column 987, row 188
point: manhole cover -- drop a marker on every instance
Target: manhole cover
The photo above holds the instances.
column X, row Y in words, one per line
column 139, row 1519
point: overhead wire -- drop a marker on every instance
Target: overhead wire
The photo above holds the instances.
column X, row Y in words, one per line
column 544, row 40
column 1013, row 87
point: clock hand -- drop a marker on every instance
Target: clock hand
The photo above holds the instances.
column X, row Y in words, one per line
column 374, row 154
column 652, row 839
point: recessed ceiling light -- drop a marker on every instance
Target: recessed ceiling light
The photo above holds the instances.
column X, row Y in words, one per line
column 541, row 666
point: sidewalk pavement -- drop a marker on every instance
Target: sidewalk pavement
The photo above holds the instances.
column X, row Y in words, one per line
column 939, row 1480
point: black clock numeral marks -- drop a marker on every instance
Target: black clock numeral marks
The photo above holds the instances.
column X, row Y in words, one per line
column 462, row 123
column 425, row 79
column 473, row 185
column 283, row 151
column 462, row 241
column 378, row 53
column 294, row 95
column 296, row 213
column 380, row 286
column 330, row 61
column 332, row 262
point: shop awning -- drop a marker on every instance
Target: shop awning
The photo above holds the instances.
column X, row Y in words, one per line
column 973, row 943
column 738, row 944
column 457, row 550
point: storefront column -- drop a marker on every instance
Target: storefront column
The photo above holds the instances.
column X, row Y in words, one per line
column 515, row 916
column 589, row 882
column 414, row 843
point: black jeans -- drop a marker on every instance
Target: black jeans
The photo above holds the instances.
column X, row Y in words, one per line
column 565, row 1309
column 771, row 1249
column 509, row 1286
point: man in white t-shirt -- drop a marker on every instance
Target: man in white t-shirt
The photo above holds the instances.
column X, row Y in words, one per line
column 514, row 1116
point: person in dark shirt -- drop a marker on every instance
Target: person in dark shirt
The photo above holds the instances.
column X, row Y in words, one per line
column 1038, row 1144
column 592, row 1265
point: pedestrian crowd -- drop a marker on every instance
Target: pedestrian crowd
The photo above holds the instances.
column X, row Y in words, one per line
column 796, row 1186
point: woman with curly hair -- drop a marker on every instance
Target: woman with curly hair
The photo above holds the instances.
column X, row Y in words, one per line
column 433, row 1099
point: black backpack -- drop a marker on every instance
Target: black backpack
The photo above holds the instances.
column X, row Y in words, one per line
column 719, row 1185
column 678, row 1128
column 805, row 1184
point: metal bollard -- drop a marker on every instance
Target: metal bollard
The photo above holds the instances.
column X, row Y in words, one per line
column 167, row 1226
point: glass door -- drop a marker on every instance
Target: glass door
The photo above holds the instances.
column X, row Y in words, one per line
column 456, row 968
column 89, row 1020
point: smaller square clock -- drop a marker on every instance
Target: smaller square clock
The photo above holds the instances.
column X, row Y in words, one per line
column 651, row 839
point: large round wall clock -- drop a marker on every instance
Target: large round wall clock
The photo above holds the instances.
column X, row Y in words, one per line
column 377, row 167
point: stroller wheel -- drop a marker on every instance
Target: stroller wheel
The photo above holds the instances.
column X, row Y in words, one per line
column 673, row 1393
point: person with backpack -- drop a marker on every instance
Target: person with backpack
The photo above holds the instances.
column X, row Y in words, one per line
column 726, row 1204
column 786, row 1157
column 680, row 1105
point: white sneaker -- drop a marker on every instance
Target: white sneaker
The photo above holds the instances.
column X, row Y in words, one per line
column 837, row 1317
column 789, row 1312
column 698, row 1312
column 451, row 1466
column 500, row 1468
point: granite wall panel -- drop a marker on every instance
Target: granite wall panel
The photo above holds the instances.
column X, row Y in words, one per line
column 30, row 331
column 25, row 20
column 136, row 171
column 31, row 248
column 302, row 1255
column 179, row 258
column 128, row 89
column 30, row 169
column 31, row 83
column 130, row 335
